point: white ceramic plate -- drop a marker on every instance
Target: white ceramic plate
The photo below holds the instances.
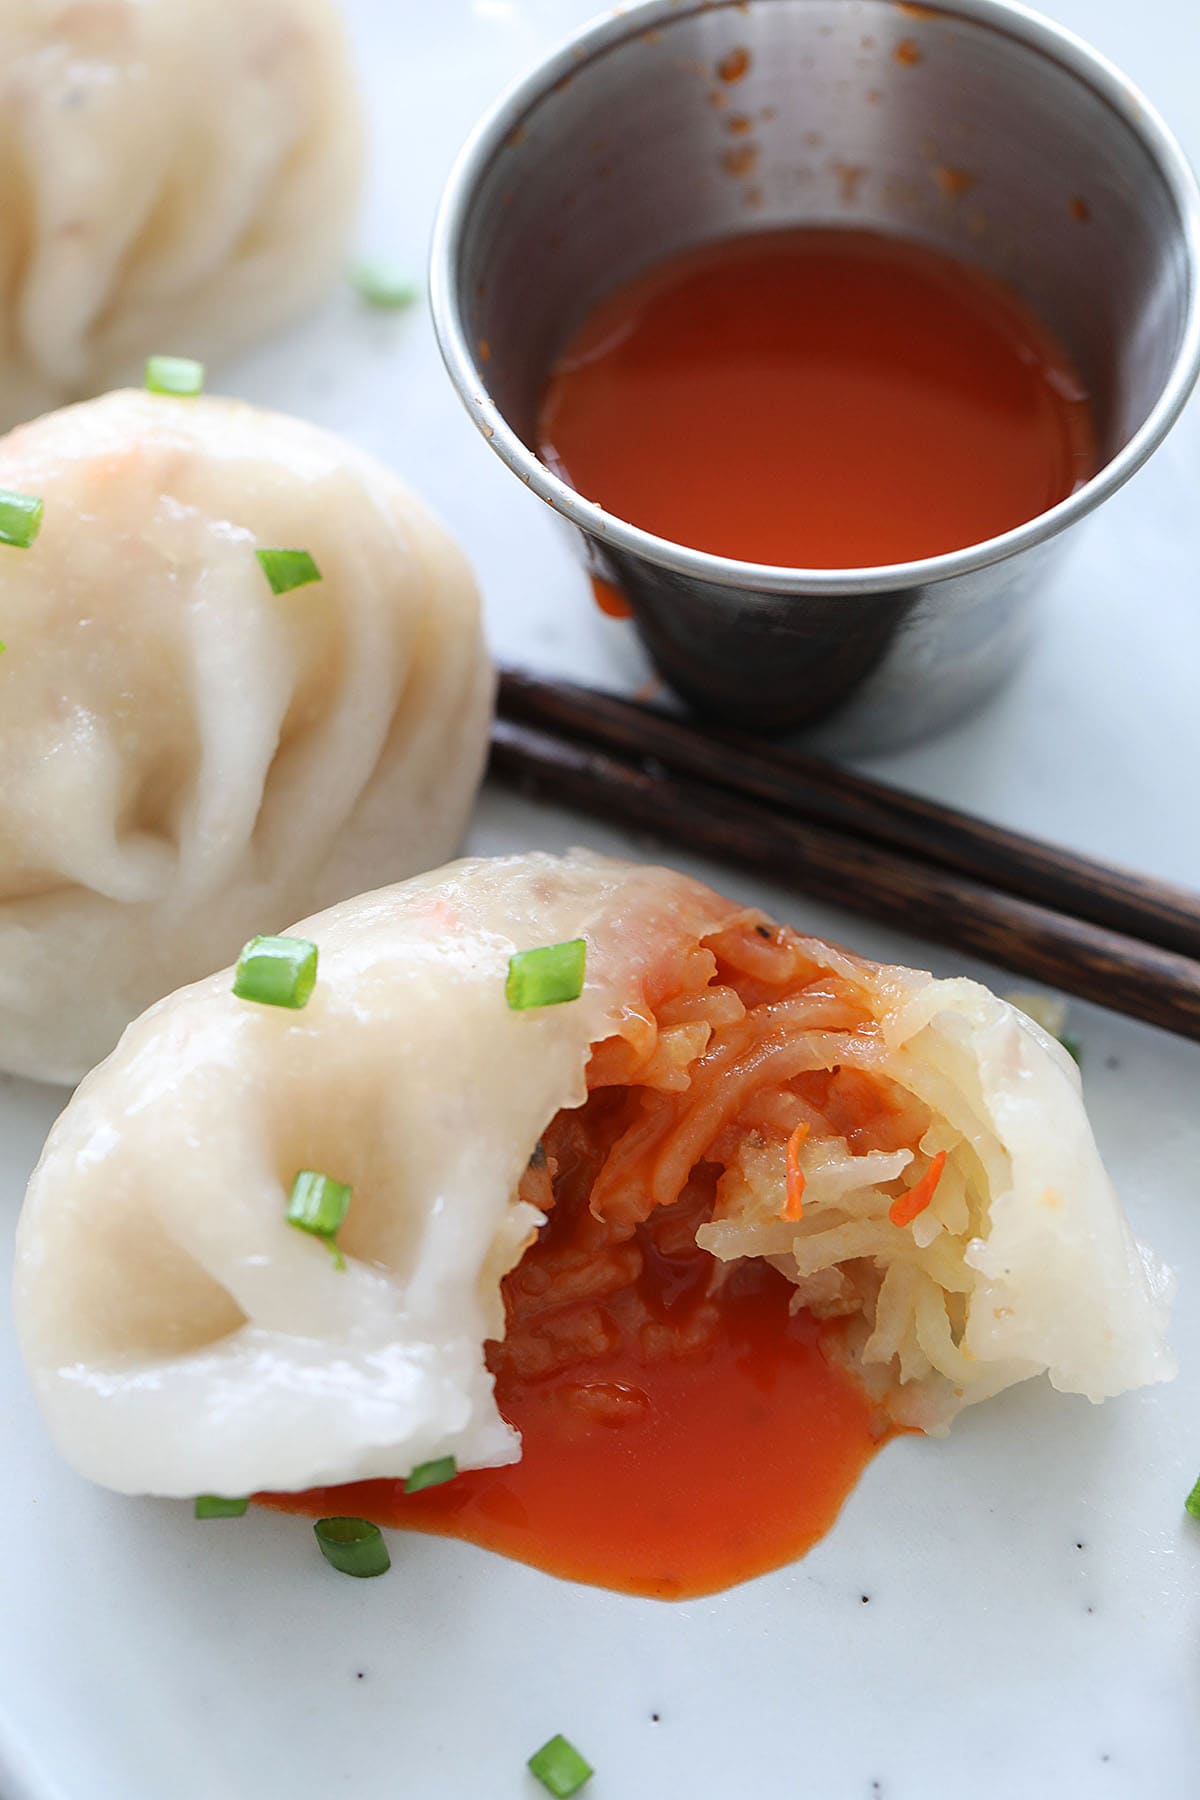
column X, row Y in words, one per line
column 1010, row 1612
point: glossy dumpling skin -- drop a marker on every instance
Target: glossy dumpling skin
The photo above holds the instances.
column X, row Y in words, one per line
column 179, row 176
column 187, row 759
column 183, row 1338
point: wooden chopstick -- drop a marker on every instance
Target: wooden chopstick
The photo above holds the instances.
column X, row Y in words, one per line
column 1110, row 968
column 825, row 794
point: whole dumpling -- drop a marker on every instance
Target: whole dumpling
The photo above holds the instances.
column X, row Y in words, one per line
column 187, row 758
column 179, row 176
column 183, row 1338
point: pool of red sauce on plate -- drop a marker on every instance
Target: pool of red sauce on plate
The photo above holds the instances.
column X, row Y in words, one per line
column 824, row 398
column 669, row 1478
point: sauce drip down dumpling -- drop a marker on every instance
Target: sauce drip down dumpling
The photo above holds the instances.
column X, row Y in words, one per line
column 186, row 757
column 954, row 1223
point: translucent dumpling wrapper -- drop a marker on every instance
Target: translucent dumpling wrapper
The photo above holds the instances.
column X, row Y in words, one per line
column 186, row 757
column 183, row 1338
column 179, row 176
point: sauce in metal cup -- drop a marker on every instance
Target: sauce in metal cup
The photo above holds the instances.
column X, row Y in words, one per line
column 614, row 155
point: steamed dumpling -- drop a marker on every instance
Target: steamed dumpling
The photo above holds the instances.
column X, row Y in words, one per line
column 186, row 758
column 183, row 1338
column 178, row 175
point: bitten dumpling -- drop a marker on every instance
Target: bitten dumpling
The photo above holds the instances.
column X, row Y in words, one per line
column 957, row 1229
column 178, row 176
column 186, row 757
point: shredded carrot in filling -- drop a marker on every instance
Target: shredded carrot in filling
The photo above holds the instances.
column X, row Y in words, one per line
column 912, row 1203
column 736, row 1040
column 793, row 1206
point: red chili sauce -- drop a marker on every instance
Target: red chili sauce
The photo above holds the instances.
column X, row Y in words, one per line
column 681, row 1430
column 826, row 398
column 670, row 1476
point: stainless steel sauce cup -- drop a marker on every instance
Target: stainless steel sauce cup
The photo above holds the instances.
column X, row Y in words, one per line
column 972, row 125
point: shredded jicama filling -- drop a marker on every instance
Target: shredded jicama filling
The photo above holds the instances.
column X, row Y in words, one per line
column 756, row 1107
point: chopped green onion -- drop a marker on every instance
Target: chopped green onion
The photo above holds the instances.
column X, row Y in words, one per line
column 20, row 519
column 277, row 971
column 177, row 375
column 384, row 284
column 560, row 1768
column 288, row 569
column 319, row 1205
column 546, row 977
column 353, row 1546
column 431, row 1474
column 1073, row 1047
column 215, row 1506
column 1192, row 1503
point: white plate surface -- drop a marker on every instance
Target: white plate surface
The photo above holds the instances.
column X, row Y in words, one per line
column 1010, row 1612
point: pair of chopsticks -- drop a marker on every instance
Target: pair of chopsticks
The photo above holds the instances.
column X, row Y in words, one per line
column 1102, row 933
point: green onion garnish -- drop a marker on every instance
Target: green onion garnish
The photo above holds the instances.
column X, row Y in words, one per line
column 277, row 971
column 177, row 375
column 431, row 1474
column 288, row 569
column 384, row 284
column 20, row 519
column 353, row 1546
column 546, row 977
column 1073, row 1047
column 215, row 1506
column 560, row 1768
column 1192, row 1503
column 319, row 1205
